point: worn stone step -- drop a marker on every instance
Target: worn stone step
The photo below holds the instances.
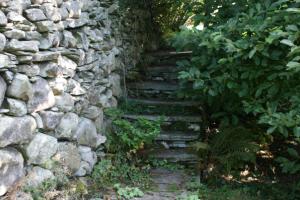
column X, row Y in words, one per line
column 174, row 155
column 190, row 119
column 159, row 102
column 170, row 53
column 154, row 85
column 177, row 136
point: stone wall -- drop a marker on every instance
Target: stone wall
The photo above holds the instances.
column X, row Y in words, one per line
column 60, row 66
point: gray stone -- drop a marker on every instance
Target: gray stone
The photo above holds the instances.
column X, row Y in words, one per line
column 115, row 81
column 15, row 17
column 58, row 85
column 45, row 26
column 51, row 12
column 50, row 69
column 8, row 76
column 92, row 112
column 15, row 34
column 74, row 88
column 68, row 66
column 2, row 90
column 16, row 107
column 51, row 119
column 37, row 176
column 33, row 35
column 68, row 156
column 16, row 130
column 41, row 149
column 42, row 98
column 20, row 195
column 73, row 9
column 2, row 42
column 4, row 61
column 67, row 126
column 69, row 40
column 64, row 102
column 29, row 70
column 24, row 59
column 88, row 155
column 45, row 56
column 83, row 170
column 38, row 120
column 3, row 19
column 35, row 15
column 20, row 88
column 30, row 46
column 11, row 168
column 77, row 23
column 99, row 123
column 86, row 134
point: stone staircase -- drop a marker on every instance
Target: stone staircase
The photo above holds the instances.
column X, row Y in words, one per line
column 156, row 94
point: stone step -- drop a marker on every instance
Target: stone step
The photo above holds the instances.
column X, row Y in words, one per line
column 174, row 155
column 190, row 119
column 170, row 54
column 177, row 136
column 153, row 85
column 158, row 102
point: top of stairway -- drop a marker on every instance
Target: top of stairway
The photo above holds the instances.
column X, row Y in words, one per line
column 158, row 102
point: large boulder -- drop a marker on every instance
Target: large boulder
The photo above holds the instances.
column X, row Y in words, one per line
column 42, row 98
column 2, row 90
column 11, row 168
column 41, row 148
column 16, row 130
column 3, row 19
column 64, row 102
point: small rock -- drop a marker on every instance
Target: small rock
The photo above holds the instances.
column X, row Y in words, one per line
column 67, row 126
column 42, row 98
column 16, row 130
column 3, row 19
column 27, row 46
column 20, row 88
column 4, row 61
column 45, row 26
column 15, row 17
column 29, row 70
column 49, row 69
column 35, row 15
column 2, row 90
column 51, row 12
column 41, row 148
column 86, row 134
column 92, row 112
column 15, row 34
column 88, row 155
column 64, row 102
column 68, row 66
column 51, row 119
column 69, row 40
column 20, row 195
column 45, row 56
column 75, row 88
column 11, row 168
column 2, row 42
column 16, row 107
column 58, row 85
column 68, row 156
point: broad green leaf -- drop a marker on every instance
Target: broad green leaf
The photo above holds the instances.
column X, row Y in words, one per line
column 287, row 42
column 293, row 65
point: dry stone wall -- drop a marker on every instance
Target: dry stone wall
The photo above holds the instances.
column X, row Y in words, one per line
column 60, row 64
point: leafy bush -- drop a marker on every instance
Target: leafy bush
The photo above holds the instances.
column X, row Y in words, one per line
column 131, row 136
column 246, row 70
column 128, row 192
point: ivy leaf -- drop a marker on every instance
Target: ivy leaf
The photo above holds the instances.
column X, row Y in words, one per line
column 292, row 65
column 252, row 53
column 293, row 152
column 297, row 132
column 287, row 42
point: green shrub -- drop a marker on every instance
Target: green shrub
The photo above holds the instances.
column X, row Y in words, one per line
column 246, row 71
